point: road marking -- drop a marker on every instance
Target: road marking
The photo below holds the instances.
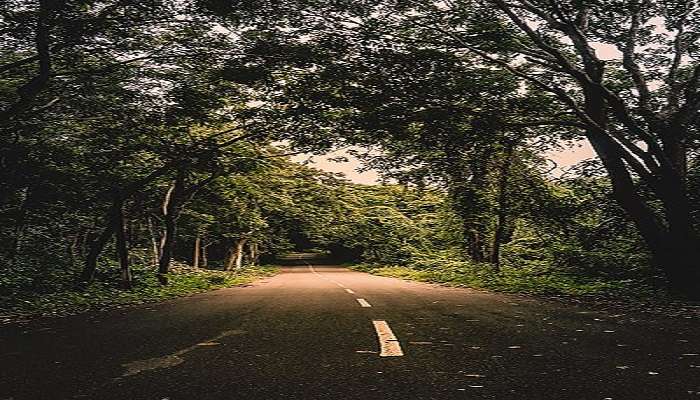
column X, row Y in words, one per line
column 311, row 268
column 363, row 303
column 388, row 343
column 171, row 360
column 350, row 291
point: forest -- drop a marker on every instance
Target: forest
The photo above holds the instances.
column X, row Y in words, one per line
column 147, row 147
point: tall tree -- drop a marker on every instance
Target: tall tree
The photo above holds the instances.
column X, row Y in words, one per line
column 639, row 109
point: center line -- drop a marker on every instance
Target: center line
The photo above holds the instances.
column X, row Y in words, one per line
column 350, row 291
column 388, row 343
column 312, row 269
column 363, row 303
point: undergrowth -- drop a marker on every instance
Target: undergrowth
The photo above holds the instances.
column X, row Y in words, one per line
column 532, row 278
column 25, row 302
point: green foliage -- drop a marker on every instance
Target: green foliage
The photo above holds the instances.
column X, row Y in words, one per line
column 105, row 105
column 532, row 278
column 64, row 299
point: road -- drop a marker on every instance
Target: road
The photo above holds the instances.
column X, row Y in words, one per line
column 325, row 332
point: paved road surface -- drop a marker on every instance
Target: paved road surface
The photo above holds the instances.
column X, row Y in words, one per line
column 304, row 334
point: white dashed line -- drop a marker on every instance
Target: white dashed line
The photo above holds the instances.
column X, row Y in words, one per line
column 363, row 303
column 311, row 268
column 388, row 343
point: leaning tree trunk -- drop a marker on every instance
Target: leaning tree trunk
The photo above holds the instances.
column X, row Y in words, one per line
column 170, row 211
column 673, row 245
column 95, row 248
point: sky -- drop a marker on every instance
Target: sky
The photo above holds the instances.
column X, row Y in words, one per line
column 563, row 158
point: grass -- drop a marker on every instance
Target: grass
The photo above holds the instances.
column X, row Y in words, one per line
column 182, row 281
column 530, row 279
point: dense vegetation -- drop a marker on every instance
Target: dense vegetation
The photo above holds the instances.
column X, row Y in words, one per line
column 137, row 134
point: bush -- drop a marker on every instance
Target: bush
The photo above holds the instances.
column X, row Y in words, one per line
column 535, row 277
column 20, row 300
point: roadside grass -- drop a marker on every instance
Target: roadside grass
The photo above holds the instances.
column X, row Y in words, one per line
column 528, row 279
column 103, row 294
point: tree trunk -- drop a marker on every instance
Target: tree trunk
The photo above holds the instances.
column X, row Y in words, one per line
column 205, row 256
column 231, row 262
column 502, row 212
column 475, row 242
column 121, row 245
column 74, row 251
column 673, row 245
column 154, row 241
column 674, row 248
column 235, row 260
column 477, row 206
column 170, row 214
column 240, row 252
column 253, row 252
column 679, row 260
column 197, row 250
column 15, row 249
column 679, row 256
column 31, row 89
column 95, row 248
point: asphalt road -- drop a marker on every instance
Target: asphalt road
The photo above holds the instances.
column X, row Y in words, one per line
column 303, row 334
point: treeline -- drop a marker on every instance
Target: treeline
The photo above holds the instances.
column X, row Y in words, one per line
column 222, row 220
column 127, row 126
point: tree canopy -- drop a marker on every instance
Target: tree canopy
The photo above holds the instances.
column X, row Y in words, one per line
column 139, row 134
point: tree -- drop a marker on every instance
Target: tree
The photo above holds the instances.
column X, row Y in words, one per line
column 429, row 117
column 639, row 110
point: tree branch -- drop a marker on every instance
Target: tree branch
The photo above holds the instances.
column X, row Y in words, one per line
column 31, row 89
column 630, row 63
